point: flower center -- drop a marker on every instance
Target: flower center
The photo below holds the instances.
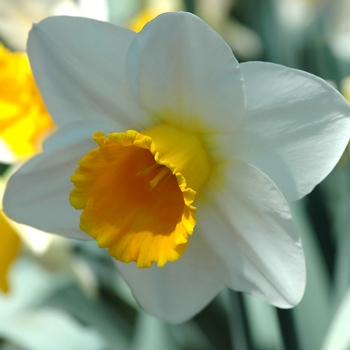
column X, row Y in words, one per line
column 136, row 191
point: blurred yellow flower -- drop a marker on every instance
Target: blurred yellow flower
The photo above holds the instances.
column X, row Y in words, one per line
column 345, row 91
column 9, row 249
column 24, row 120
column 150, row 10
column 345, row 88
column 141, row 18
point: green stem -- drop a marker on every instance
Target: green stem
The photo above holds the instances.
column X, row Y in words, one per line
column 238, row 323
column 288, row 330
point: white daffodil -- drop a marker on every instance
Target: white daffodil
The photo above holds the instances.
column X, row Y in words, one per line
column 186, row 158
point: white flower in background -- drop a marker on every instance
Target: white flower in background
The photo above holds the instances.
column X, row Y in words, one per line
column 244, row 41
column 17, row 16
column 337, row 36
column 26, row 322
column 199, row 159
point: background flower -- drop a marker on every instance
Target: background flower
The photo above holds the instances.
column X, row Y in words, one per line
column 10, row 244
column 24, row 120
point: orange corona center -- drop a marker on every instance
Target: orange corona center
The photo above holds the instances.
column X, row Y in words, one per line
column 135, row 202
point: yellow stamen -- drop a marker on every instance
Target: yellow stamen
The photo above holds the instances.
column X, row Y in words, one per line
column 114, row 185
column 154, row 182
column 149, row 170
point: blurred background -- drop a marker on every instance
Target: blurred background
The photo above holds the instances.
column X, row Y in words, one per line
column 62, row 294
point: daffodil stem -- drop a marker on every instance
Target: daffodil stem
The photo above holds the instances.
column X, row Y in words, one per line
column 288, row 330
column 238, row 323
column 189, row 5
column 320, row 219
column 3, row 168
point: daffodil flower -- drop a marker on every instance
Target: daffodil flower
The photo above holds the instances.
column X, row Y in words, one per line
column 182, row 161
column 24, row 120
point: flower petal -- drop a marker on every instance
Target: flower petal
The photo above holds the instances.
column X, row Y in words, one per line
column 38, row 193
column 184, row 73
column 252, row 231
column 81, row 76
column 179, row 290
column 296, row 128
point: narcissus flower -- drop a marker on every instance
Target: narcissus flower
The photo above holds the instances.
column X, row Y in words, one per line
column 24, row 120
column 186, row 159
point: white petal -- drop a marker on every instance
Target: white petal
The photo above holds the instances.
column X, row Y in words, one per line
column 179, row 290
column 79, row 66
column 183, row 72
column 38, row 193
column 247, row 222
column 296, row 127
